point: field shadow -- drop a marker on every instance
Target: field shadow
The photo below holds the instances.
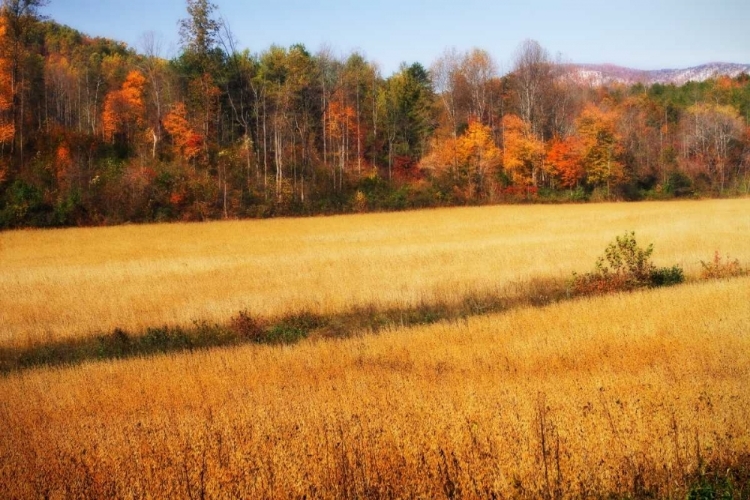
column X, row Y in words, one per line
column 245, row 328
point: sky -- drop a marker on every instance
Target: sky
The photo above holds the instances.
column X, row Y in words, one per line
column 641, row 34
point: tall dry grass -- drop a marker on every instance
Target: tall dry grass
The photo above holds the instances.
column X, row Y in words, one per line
column 625, row 395
column 69, row 283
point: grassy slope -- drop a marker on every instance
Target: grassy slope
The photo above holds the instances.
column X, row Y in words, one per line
column 70, row 283
column 623, row 394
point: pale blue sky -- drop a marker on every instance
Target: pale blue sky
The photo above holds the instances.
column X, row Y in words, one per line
column 642, row 34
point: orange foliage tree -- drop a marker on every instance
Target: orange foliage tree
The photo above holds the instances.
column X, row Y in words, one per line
column 473, row 150
column 443, row 156
column 342, row 127
column 63, row 162
column 187, row 142
column 124, row 109
column 7, row 127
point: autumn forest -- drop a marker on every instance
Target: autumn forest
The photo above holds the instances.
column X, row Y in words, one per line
column 94, row 132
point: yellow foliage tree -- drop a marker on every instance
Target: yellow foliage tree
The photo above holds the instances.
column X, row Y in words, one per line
column 477, row 151
column 601, row 148
column 707, row 138
column 473, row 156
column 522, row 151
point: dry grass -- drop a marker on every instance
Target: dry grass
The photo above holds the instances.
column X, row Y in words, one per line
column 624, row 394
column 69, row 283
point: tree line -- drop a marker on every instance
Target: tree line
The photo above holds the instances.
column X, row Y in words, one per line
column 94, row 132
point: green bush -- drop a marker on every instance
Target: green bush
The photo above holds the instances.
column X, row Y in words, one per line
column 625, row 266
column 284, row 334
column 578, row 194
column 23, row 204
column 666, row 276
column 679, row 184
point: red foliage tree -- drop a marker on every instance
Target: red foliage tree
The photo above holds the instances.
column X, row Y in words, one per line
column 564, row 160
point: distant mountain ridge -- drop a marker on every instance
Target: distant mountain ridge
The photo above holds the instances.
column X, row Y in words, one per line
column 603, row 74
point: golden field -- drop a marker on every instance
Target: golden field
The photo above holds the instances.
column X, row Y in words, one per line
column 70, row 283
column 624, row 394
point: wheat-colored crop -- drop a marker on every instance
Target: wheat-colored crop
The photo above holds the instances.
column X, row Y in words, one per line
column 69, row 283
column 625, row 394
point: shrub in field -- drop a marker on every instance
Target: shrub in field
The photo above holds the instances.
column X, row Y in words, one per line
column 248, row 327
column 625, row 266
column 666, row 276
column 722, row 268
column 284, row 333
column 285, row 330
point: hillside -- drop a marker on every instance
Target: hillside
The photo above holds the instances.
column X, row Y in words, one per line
column 601, row 74
column 101, row 134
